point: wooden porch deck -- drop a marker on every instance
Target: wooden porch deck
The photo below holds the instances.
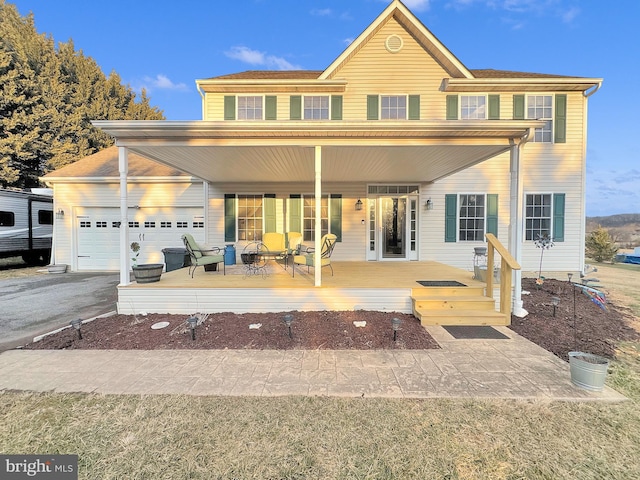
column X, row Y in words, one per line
column 383, row 286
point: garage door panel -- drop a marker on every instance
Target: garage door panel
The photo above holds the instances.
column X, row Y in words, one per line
column 98, row 234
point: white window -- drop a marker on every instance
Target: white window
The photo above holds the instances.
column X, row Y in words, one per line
column 309, row 217
column 250, row 217
column 473, row 107
column 393, row 107
column 540, row 107
column 471, row 219
column 316, row 108
column 537, row 216
column 250, row 108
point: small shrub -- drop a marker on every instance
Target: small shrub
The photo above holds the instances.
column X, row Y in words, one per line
column 600, row 245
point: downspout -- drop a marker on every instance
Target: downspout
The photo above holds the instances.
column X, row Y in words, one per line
column 201, row 96
column 583, row 202
column 587, row 93
column 517, row 194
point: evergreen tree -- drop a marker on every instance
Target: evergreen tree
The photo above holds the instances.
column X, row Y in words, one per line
column 48, row 98
column 601, row 246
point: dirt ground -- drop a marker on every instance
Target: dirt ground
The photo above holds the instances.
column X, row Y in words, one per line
column 592, row 329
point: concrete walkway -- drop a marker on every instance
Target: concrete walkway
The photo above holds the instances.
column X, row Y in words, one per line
column 513, row 368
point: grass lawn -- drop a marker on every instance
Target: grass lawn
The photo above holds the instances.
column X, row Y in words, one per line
column 178, row 437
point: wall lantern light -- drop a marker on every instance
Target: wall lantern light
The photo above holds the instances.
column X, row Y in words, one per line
column 359, row 205
column 59, row 214
column 429, row 204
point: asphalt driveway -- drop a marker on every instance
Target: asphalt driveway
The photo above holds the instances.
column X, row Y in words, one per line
column 37, row 304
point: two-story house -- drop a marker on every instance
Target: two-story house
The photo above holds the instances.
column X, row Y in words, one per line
column 397, row 148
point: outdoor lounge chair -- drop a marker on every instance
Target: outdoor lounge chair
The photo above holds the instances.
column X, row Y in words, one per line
column 328, row 242
column 201, row 255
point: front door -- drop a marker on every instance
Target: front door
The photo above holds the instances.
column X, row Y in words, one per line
column 393, row 228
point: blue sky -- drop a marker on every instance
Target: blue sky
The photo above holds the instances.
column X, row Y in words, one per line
column 164, row 46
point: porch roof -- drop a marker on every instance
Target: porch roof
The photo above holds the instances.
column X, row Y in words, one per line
column 424, row 151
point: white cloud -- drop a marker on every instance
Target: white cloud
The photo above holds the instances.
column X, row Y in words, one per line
column 160, row 82
column 321, row 12
column 569, row 15
column 554, row 8
column 610, row 192
column 255, row 57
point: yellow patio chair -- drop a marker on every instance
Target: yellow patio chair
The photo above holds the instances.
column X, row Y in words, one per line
column 328, row 242
column 201, row 255
column 275, row 243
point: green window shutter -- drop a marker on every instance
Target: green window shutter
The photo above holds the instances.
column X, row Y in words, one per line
column 295, row 213
column 558, row 217
column 270, row 107
column 560, row 122
column 494, row 107
column 452, row 107
column 336, row 107
column 230, row 217
column 335, row 207
column 269, row 212
column 450, row 215
column 295, row 107
column 492, row 213
column 518, row 107
column 414, row 107
column 229, row 107
column 372, row 107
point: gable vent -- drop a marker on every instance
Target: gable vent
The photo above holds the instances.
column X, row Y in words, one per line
column 393, row 43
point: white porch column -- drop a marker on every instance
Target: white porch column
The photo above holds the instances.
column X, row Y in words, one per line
column 123, row 166
column 516, row 226
column 318, row 224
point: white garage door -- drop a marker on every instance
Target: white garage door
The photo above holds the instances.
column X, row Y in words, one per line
column 98, row 233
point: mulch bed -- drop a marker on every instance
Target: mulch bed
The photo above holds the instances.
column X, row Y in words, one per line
column 591, row 329
column 310, row 330
column 594, row 330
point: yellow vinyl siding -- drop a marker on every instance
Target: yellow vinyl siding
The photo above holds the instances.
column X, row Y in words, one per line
column 374, row 70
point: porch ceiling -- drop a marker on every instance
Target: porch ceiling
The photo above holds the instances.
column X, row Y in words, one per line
column 280, row 152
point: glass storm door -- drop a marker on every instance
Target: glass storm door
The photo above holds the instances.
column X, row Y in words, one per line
column 393, row 216
column 393, row 227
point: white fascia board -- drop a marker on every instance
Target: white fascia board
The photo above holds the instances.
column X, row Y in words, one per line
column 518, row 84
column 182, row 179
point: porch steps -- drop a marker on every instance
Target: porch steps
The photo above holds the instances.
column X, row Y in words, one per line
column 455, row 306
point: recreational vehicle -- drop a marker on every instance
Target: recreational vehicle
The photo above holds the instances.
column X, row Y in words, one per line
column 26, row 226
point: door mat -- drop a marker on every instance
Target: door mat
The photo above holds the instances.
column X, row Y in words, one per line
column 440, row 283
column 475, row 332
